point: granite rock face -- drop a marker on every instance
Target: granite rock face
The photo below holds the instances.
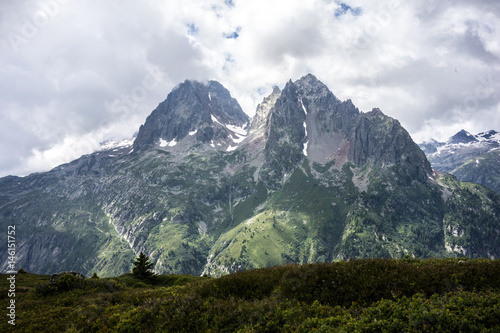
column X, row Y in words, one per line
column 286, row 135
column 308, row 115
column 381, row 140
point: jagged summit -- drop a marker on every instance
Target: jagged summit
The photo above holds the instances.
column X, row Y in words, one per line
column 205, row 111
column 307, row 120
column 463, row 137
column 489, row 135
column 315, row 90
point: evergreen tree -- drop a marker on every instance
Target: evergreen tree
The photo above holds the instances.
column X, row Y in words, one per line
column 142, row 267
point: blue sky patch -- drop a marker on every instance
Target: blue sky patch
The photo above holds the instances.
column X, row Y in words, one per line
column 262, row 91
column 192, row 29
column 229, row 62
column 345, row 8
column 233, row 35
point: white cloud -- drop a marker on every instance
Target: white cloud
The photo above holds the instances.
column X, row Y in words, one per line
column 73, row 71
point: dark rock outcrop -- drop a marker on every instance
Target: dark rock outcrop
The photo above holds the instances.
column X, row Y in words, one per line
column 381, row 140
column 285, row 135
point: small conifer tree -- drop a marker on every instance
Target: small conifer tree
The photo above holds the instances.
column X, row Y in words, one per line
column 142, row 267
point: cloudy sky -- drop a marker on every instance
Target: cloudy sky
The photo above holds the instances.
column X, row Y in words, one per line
column 75, row 73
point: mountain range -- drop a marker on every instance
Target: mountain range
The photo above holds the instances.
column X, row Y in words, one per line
column 204, row 189
column 471, row 158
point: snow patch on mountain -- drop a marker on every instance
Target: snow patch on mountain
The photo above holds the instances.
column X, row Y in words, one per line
column 242, row 131
column 112, row 144
column 238, row 139
column 303, row 107
column 304, row 150
column 215, row 120
column 165, row 143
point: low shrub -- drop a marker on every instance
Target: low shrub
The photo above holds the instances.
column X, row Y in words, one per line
column 364, row 281
column 68, row 282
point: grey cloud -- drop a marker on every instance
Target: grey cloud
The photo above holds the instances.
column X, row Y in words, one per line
column 177, row 57
column 299, row 37
column 429, row 10
column 16, row 143
column 470, row 44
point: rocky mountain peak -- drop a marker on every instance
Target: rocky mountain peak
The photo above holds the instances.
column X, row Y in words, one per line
column 462, row 137
column 313, row 89
column 192, row 109
column 471, row 158
column 489, row 135
column 430, row 146
column 307, row 120
column 223, row 106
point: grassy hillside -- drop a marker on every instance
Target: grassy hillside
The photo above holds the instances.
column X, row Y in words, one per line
column 371, row 295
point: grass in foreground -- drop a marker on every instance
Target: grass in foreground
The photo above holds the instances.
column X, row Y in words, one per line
column 374, row 295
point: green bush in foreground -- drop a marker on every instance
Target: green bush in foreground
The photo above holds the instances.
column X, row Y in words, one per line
column 452, row 312
column 363, row 281
column 374, row 295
